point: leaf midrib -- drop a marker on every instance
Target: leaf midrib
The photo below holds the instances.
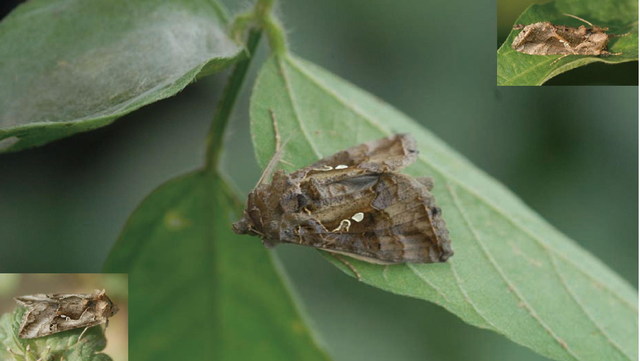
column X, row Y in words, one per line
column 443, row 173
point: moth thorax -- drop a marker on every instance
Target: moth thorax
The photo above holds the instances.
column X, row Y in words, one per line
column 599, row 38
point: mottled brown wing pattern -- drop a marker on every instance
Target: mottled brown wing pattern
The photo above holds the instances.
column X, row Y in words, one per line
column 353, row 203
column 386, row 154
column 384, row 218
column 33, row 323
column 47, row 314
column 545, row 38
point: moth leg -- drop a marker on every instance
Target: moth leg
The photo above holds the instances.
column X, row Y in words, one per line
column 287, row 163
column 79, row 337
column 560, row 58
column 346, row 263
column 523, row 37
column 427, row 182
column 564, row 42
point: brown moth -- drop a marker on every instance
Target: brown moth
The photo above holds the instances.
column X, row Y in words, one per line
column 47, row 314
column 353, row 203
column 545, row 38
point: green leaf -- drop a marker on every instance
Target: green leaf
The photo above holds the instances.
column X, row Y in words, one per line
column 59, row 346
column 202, row 292
column 68, row 66
column 512, row 272
column 621, row 16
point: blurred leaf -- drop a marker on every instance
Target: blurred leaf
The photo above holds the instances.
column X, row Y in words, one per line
column 621, row 16
column 8, row 283
column 68, row 66
column 201, row 291
column 59, row 346
column 512, row 272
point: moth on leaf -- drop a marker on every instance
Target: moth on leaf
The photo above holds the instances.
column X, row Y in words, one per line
column 353, row 203
column 545, row 38
column 47, row 314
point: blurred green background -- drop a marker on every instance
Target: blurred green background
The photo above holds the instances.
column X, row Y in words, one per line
column 571, row 153
column 15, row 285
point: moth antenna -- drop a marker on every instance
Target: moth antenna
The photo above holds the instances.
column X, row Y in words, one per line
column 618, row 35
column 577, row 18
column 275, row 128
column 275, row 159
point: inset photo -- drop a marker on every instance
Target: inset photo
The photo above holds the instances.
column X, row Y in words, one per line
column 595, row 42
column 63, row 317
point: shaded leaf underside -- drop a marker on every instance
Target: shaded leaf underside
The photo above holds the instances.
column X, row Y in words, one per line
column 512, row 272
column 68, row 66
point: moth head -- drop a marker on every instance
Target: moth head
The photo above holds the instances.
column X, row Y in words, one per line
column 104, row 305
column 251, row 221
column 243, row 226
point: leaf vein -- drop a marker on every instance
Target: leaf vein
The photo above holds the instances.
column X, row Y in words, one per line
column 504, row 277
column 294, row 106
column 446, row 175
column 426, row 280
column 574, row 297
column 468, row 299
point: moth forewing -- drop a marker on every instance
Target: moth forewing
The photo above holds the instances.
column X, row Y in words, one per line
column 47, row 314
column 353, row 203
column 545, row 38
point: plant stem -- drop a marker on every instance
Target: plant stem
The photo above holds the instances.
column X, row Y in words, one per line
column 273, row 27
column 228, row 100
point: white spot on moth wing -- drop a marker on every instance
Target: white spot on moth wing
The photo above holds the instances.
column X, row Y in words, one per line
column 358, row 217
column 341, row 166
column 345, row 223
column 325, row 168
